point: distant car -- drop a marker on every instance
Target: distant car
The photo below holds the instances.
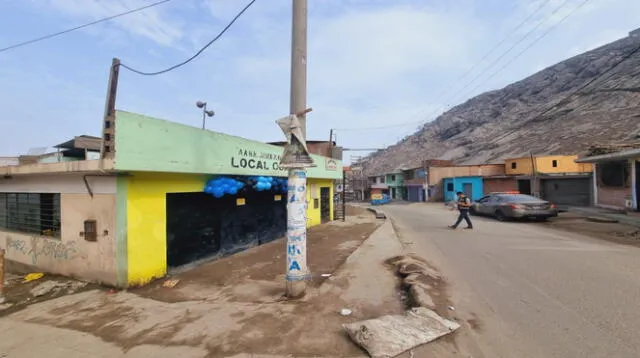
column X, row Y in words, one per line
column 505, row 206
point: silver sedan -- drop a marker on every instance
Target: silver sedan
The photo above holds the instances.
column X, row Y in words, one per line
column 505, row 206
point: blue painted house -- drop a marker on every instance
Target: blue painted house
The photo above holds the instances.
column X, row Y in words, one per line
column 472, row 186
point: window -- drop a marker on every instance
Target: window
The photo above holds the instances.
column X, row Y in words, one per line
column 554, row 163
column 449, row 186
column 30, row 213
column 614, row 174
column 410, row 175
column 393, row 178
column 514, row 165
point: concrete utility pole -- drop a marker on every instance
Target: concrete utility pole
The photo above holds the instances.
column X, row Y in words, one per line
column 298, row 99
column 298, row 158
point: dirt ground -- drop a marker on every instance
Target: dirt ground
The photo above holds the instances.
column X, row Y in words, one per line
column 328, row 246
column 613, row 232
column 19, row 294
column 234, row 305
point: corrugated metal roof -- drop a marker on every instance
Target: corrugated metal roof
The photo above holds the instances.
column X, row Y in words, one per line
column 624, row 154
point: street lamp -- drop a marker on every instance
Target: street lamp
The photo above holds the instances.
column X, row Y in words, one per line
column 205, row 113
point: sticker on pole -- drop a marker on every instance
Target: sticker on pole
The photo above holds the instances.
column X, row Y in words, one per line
column 296, row 154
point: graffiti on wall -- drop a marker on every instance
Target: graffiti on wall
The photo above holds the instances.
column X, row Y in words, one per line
column 37, row 248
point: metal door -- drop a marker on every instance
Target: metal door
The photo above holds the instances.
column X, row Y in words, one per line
column 467, row 189
column 569, row 192
column 325, row 204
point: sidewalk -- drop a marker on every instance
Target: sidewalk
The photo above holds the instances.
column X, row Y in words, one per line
column 631, row 219
column 228, row 308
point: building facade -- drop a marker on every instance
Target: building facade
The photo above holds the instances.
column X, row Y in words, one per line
column 615, row 179
column 395, row 182
column 436, row 175
column 127, row 220
column 415, row 181
column 471, row 186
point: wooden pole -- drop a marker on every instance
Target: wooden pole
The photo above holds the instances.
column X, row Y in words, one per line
column 2, row 275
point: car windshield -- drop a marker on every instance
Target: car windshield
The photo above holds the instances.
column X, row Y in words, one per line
column 519, row 198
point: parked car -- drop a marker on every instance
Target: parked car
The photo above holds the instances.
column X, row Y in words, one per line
column 505, row 206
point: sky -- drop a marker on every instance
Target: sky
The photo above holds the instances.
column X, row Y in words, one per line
column 371, row 63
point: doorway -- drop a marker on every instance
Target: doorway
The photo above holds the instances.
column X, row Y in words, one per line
column 524, row 186
column 325, row 204
column 467, row 189
column 393, row 193
column 200, row 226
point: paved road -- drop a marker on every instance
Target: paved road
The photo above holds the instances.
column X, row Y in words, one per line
column 537, row 292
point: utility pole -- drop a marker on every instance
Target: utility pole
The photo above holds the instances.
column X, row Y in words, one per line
column 298, row 99
column 298, row 157
column 534, row 169
column 109, row 119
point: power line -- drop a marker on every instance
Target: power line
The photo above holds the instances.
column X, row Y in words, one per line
column 46, row 37
column 513, row 46
column 567, row 99
column 530, row 45
column 514, row 30
column 197, row 53
column 495, row 47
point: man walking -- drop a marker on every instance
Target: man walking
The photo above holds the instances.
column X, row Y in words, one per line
column 464, row 203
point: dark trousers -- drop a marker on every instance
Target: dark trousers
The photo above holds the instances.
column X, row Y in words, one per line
column 464, row 215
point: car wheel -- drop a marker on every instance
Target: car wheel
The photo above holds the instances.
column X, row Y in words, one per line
column 472, row 211
column 500, row 216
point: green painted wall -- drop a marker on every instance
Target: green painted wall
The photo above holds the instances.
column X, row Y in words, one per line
column 395, row 179
column 150, row 144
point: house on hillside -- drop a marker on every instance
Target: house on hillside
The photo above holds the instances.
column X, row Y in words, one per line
column 556, row 178
column 616, row 177
column 150, row 204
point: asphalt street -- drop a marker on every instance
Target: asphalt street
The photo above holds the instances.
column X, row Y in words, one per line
column 530, row 290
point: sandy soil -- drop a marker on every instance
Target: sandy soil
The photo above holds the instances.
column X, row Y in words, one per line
column 614, row 232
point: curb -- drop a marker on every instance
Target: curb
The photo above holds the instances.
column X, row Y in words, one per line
column 379, row 213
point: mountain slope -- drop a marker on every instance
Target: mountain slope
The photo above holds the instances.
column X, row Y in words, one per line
column 506, row 123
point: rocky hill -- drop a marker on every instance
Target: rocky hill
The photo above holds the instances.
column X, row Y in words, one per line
column 508, row 122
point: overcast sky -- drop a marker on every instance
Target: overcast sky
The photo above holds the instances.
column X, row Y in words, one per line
column 371, row 62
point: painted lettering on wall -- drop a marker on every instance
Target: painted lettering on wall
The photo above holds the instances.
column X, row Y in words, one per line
column 39, row 248
column 250, row 159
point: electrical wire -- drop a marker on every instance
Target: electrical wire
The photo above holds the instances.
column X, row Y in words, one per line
column 486, row 69
column 514, row 30
column 495, row 47
column 46, row 37
column 197, row 53
column 529, row 46
column 567, row 99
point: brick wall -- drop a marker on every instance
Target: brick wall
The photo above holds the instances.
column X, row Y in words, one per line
column 436, row 174
column 613, row 196
column 500, row 185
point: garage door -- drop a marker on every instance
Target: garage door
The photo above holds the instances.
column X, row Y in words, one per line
column 573, row 192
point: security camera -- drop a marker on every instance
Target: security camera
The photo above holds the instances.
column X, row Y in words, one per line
column 201, row 104
column 210, row 113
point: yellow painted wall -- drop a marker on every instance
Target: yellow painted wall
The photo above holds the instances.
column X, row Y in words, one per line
column 147, row 224
column 313, row 192
column 544, row 164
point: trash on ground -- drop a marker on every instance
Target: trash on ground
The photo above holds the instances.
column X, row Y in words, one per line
column 326, row 275
column 389, row 336
column 452, row 308
column 345, row 312
column 171, row 283
column 33, row 276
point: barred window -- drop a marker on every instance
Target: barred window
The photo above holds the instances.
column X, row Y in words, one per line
column 30, row 213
